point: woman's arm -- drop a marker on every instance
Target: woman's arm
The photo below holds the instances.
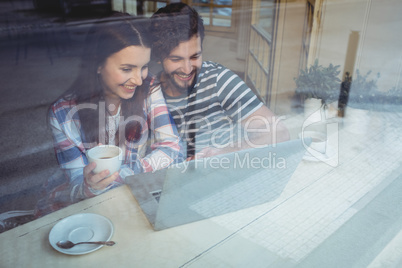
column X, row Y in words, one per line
column 165, row 142
column 70, row 154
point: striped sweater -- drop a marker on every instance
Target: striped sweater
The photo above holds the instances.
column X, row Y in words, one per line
column 210, row 115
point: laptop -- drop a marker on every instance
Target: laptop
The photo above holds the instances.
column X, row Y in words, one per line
column 203, row 188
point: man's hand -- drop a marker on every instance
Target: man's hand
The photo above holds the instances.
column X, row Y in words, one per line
column 210, row 151
column 263, row 128
column 98, row 181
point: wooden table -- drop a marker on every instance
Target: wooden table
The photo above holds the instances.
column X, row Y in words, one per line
column 346, row 215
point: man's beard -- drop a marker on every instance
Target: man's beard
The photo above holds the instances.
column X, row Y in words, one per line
column 183, row 89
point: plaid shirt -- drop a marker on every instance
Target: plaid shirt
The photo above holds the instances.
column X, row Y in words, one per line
column 157, row 150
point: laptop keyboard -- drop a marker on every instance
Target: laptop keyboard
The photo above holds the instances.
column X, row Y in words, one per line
column 241, row 195
column 156, row 195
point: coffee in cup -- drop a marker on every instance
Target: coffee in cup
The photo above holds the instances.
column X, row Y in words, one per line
column 106, row 157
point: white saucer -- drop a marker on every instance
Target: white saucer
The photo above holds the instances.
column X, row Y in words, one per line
column 81, row 228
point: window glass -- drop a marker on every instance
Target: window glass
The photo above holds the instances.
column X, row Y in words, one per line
column 204, row 11
column 222, row 16
column 216, row 14
column 266, row 16
column 331, row 73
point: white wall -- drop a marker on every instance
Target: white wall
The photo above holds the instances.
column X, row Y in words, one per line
column 287, row 55
column 378, row 22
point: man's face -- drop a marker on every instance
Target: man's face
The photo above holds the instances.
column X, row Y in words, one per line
column 182, row 66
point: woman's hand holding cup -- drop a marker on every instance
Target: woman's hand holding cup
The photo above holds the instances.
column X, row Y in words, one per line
column 101, row 180
column 103, row 167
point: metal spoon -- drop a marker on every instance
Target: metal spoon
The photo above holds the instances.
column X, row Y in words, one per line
column 66, row 244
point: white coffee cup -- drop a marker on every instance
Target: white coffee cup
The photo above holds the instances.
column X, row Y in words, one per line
column 106, row 157
column 318, row 140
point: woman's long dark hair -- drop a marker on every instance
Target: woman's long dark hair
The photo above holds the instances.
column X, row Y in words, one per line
column 104, row 39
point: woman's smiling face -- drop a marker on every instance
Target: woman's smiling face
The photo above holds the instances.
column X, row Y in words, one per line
column 123, row 71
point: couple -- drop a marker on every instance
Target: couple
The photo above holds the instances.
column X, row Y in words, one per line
column 116, row 101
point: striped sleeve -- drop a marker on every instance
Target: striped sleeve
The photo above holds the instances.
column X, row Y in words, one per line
column 235, row 96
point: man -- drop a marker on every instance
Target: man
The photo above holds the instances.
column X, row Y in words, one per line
column 214, row 110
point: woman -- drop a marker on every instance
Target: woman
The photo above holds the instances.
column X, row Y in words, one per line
column 113, row 101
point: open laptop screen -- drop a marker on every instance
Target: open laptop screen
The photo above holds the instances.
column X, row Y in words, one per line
column 204, row 188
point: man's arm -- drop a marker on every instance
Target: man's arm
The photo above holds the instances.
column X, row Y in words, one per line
column 260, row 128
column 256, row 124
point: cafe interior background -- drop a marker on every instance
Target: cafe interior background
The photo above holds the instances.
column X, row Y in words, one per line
column 269, row 43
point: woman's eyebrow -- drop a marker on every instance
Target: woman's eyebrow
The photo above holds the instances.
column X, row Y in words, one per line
column 128, row 65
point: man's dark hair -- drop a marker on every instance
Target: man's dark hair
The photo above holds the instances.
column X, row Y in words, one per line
column 173, row 24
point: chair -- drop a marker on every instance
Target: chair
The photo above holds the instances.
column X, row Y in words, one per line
column 14, row 218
